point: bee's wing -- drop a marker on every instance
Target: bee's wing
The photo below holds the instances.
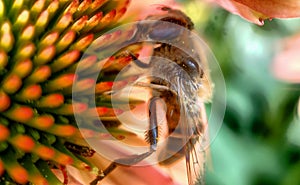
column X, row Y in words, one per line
column 195, row 162
column 195, row 155
column 193, row 123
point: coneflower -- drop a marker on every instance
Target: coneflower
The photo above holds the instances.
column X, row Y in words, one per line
column 41, row 44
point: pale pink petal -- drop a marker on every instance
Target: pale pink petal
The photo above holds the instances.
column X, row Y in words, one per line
column 286, row 66
column 142, row 175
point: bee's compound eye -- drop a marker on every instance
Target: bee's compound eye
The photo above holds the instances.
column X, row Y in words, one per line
column 191, row 65
column 164, row 31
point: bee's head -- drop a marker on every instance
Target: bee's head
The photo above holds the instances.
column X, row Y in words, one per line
column 198, row 78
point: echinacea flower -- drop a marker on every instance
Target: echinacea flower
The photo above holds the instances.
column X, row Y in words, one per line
column 41, row 45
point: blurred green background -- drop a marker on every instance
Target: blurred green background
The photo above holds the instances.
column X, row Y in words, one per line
column 259, row 142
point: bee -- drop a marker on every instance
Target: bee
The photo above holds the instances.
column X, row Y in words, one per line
column 182, row 82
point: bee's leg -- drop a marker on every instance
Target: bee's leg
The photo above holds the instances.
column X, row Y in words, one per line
column 155, row 87
column 152, row 133
column 128, row 161
column 151, row 137
column 152, row 86
column 65, row 174
column 137, row 61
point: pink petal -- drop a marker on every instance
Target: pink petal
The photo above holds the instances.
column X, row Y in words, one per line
column 274, row 8
column 241, row 10
column 286, row 66
column 257, row 11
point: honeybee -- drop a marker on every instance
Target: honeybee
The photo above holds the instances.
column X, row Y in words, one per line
column 182, row 82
